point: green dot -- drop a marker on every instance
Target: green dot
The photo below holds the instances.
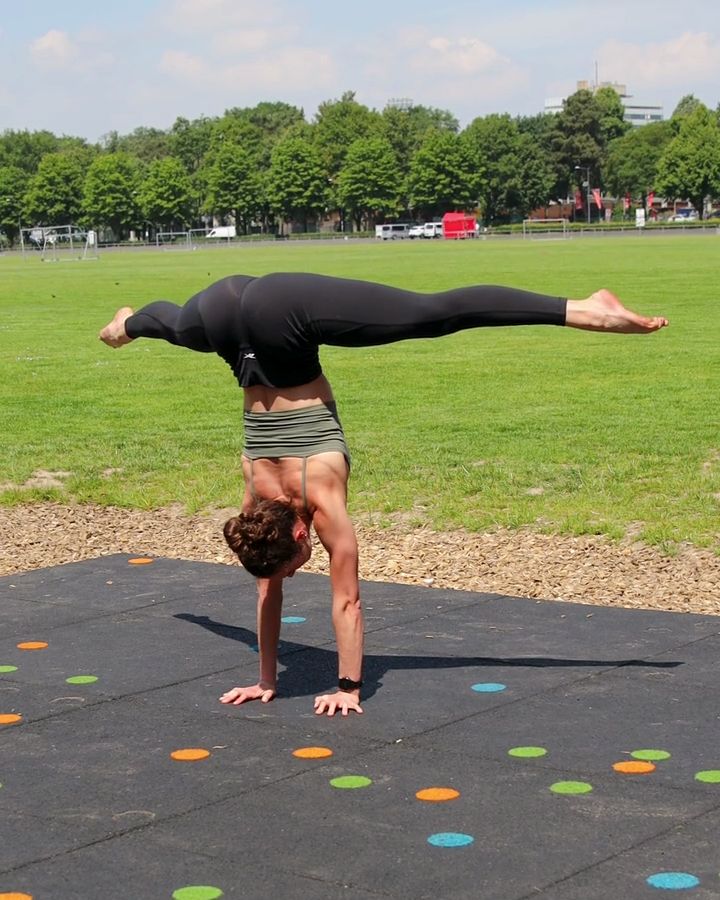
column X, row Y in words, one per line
column 197, row 892
column 709, row 776
column 527, row 752
column 650, row 755
column 81, row 679
column 350, row 781
column 8, row 668
column 571, row 787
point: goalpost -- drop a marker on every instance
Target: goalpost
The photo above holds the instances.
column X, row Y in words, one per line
column 545, row 228
column 59, row 243
column 173, row 240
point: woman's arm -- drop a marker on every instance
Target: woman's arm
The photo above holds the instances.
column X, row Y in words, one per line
column 336, row 532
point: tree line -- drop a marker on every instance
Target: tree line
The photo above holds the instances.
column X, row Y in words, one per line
column 266, row 167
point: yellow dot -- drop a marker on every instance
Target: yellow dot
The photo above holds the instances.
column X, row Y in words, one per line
column 140, row 561
column 634, row 767
column 190, row 754
column 312, row 752
column 10, row 718
column 32, row 645
column 437, row 794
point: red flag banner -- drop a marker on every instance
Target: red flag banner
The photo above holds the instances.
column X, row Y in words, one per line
column 626, row 202
column 597, row 197
column 578, row 200
column 651, row 199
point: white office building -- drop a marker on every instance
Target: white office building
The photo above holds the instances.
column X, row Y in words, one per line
column 636, row 114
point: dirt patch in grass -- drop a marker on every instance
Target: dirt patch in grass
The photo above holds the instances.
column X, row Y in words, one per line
column 520, row 563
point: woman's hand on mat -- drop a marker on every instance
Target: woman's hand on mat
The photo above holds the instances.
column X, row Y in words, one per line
column 329, row 704
column 238, row 695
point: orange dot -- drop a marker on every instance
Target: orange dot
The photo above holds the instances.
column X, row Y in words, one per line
column 634, row 767
column 140, row 561
column 190, row 754
column 14, row 895
column 10, row 718
column 32, row 645
column 312, row 752
column 437, row 794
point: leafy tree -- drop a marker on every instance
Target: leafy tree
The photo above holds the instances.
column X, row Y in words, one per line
column 536, row 178
column 190, row 141
column 337, row 125
column 442, row 175
column 632, row 160
column 406, row 130
column 690, row 164
column 612, row 115
column 145, row 144
column 54, row 195
column 686, row 106
column 369, row 183
column 577, row 138
column 25, row 149
column 166, row 196
column 110, row 195
column 13, row 184
column 494, row 141
column 234, row 186
column 296, row 184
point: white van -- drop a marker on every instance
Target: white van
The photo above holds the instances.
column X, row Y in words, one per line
column 395, row 231
column 224, row 231
column 433, row 230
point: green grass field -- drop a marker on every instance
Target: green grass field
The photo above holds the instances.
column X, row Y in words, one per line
column 558, row 429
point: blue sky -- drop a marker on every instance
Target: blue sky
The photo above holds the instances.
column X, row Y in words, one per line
column 90, row 68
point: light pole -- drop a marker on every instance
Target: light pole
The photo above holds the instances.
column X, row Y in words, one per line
column 586, row 170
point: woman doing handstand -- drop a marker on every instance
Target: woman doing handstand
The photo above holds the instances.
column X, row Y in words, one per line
column 295, row 459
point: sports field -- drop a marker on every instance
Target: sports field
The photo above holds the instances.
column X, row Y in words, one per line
column 563, row 430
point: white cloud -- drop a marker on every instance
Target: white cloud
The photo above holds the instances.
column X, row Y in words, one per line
column 221, row 15
column 313, row 68
column 250, row 40
column 57, row 50
column 691, row 57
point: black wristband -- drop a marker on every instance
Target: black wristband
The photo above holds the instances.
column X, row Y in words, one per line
column 347, row 684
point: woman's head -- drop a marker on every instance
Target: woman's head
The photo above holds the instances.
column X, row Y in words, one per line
column 269, row 540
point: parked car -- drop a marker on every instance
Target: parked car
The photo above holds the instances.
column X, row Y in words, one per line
column 433, row 230
column 417, row 231
column 684, row 215
column 392, row 232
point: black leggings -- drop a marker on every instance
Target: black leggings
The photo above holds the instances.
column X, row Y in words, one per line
column 269, row 329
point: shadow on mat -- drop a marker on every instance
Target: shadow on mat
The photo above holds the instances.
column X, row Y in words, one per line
column 313, row 670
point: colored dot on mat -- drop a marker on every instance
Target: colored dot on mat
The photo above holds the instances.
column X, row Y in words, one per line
column 571, row 787
column 14, row 895
column 32, row 645
column 292, row 620
column 190, row 754
column 634, row 767
column 650, row 755
column 527, row 752
column 10, row 718
column 197, row 892
column 312, row 752
column 488, row 687
column 673, row 881
column 350, row 781
column 4, row 669
column 140, row 561
column 709, row 776
column 81, row 679
column 450, row 839
column 437, row 794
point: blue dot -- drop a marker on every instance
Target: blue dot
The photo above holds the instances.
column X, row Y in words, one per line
column 254, row 647
column 450, row 839
column 488, row 687
column 673, row 881
column 293, row 620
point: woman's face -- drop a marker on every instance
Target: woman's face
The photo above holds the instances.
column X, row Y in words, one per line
column 301, row 557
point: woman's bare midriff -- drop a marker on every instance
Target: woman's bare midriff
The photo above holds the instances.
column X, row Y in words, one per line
column 260, row 399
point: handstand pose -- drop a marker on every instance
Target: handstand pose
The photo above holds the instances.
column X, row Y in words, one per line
column 295, row 459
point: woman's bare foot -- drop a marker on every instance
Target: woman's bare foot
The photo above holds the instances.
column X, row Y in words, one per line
column 114, row 334
column 602, row 311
